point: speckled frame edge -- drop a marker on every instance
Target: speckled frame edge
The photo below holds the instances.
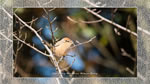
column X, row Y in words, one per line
column 6, row 46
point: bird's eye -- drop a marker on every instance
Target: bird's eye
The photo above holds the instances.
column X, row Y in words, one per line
column 67, row 40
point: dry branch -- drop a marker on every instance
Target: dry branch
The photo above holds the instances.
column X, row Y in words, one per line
column 81, row 21
column 82, row 43
column 30, row 46
column 47, row 48
column 111, row 22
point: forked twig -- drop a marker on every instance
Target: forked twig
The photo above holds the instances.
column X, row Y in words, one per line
column 40, row 38
column 30, row 46
column 82, row 43
column 5, row 37
column 111, row 22
column 81, row 21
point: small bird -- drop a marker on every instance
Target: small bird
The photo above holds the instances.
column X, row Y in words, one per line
column 61, row 47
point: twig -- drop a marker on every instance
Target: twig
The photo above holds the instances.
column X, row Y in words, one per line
column 92, row 4
column 81, row 21
column 48, row 2
column 124, row 53
column 117, row 32
column 55, row 29
column 18, row 48
column 143, row 30
column 5, row 37
column 130, row 71
column 21, row 72
column 51, row 9
column 7, row 13
column 71, row 80
column 58, row 81
column 66, row 68
column 39, row 30
column 82, row 43
column 31, row 22
column 128, row 19
column 50, row 23
column 140, row 76
column 30, row 46
column 53, row 20
column 111, row 22
column 123, row 3
column 40, row 38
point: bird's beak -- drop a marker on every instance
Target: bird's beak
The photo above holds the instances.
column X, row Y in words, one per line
column 72, row 44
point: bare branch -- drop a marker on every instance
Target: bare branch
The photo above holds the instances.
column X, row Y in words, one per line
column 81, row 21
column 32, row 21
column 124, row 53
column 92, row 4
column 111, row 22
column 117, row 32
column 82, row 43
column 55, row 29
column 143, row 30
column 48, row 2
column 7, row 13
column 66, row 68
column 30, row 46
column 50, row 22
column 139, row 28
column 58, row 81
column 130, row 71
column 141, row 76
column 21, row 72
column 51, row 9
column 53, row 20
column 39, row 30
column 40, row 38
column 5, row 37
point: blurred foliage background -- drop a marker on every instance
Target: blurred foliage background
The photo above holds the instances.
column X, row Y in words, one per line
column 111, row 54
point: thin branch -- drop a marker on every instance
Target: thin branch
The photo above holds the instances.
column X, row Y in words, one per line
column 117, row 32
column 5, row 37
column 53, row 20
column 139, row 28
column 124, row 53
column 50, row 23
column 32, row 21
column 82, row 43
column 58, row 81
column 55, row 29
column 9, row 48
column 140, row 76
column 123, row 3
column 66, row 68
column 111, row 22
column 143, row 30
column 48, row 2
column 71, row 80
column 39, row 30
column 92, row 4
column 18, row 48
column 130, row 71
column 7, row 13
column 81, row 21
column 40, row 38
column 21, row 72
column 30, row 46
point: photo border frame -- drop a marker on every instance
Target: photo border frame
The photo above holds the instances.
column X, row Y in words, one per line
column 6, row 43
